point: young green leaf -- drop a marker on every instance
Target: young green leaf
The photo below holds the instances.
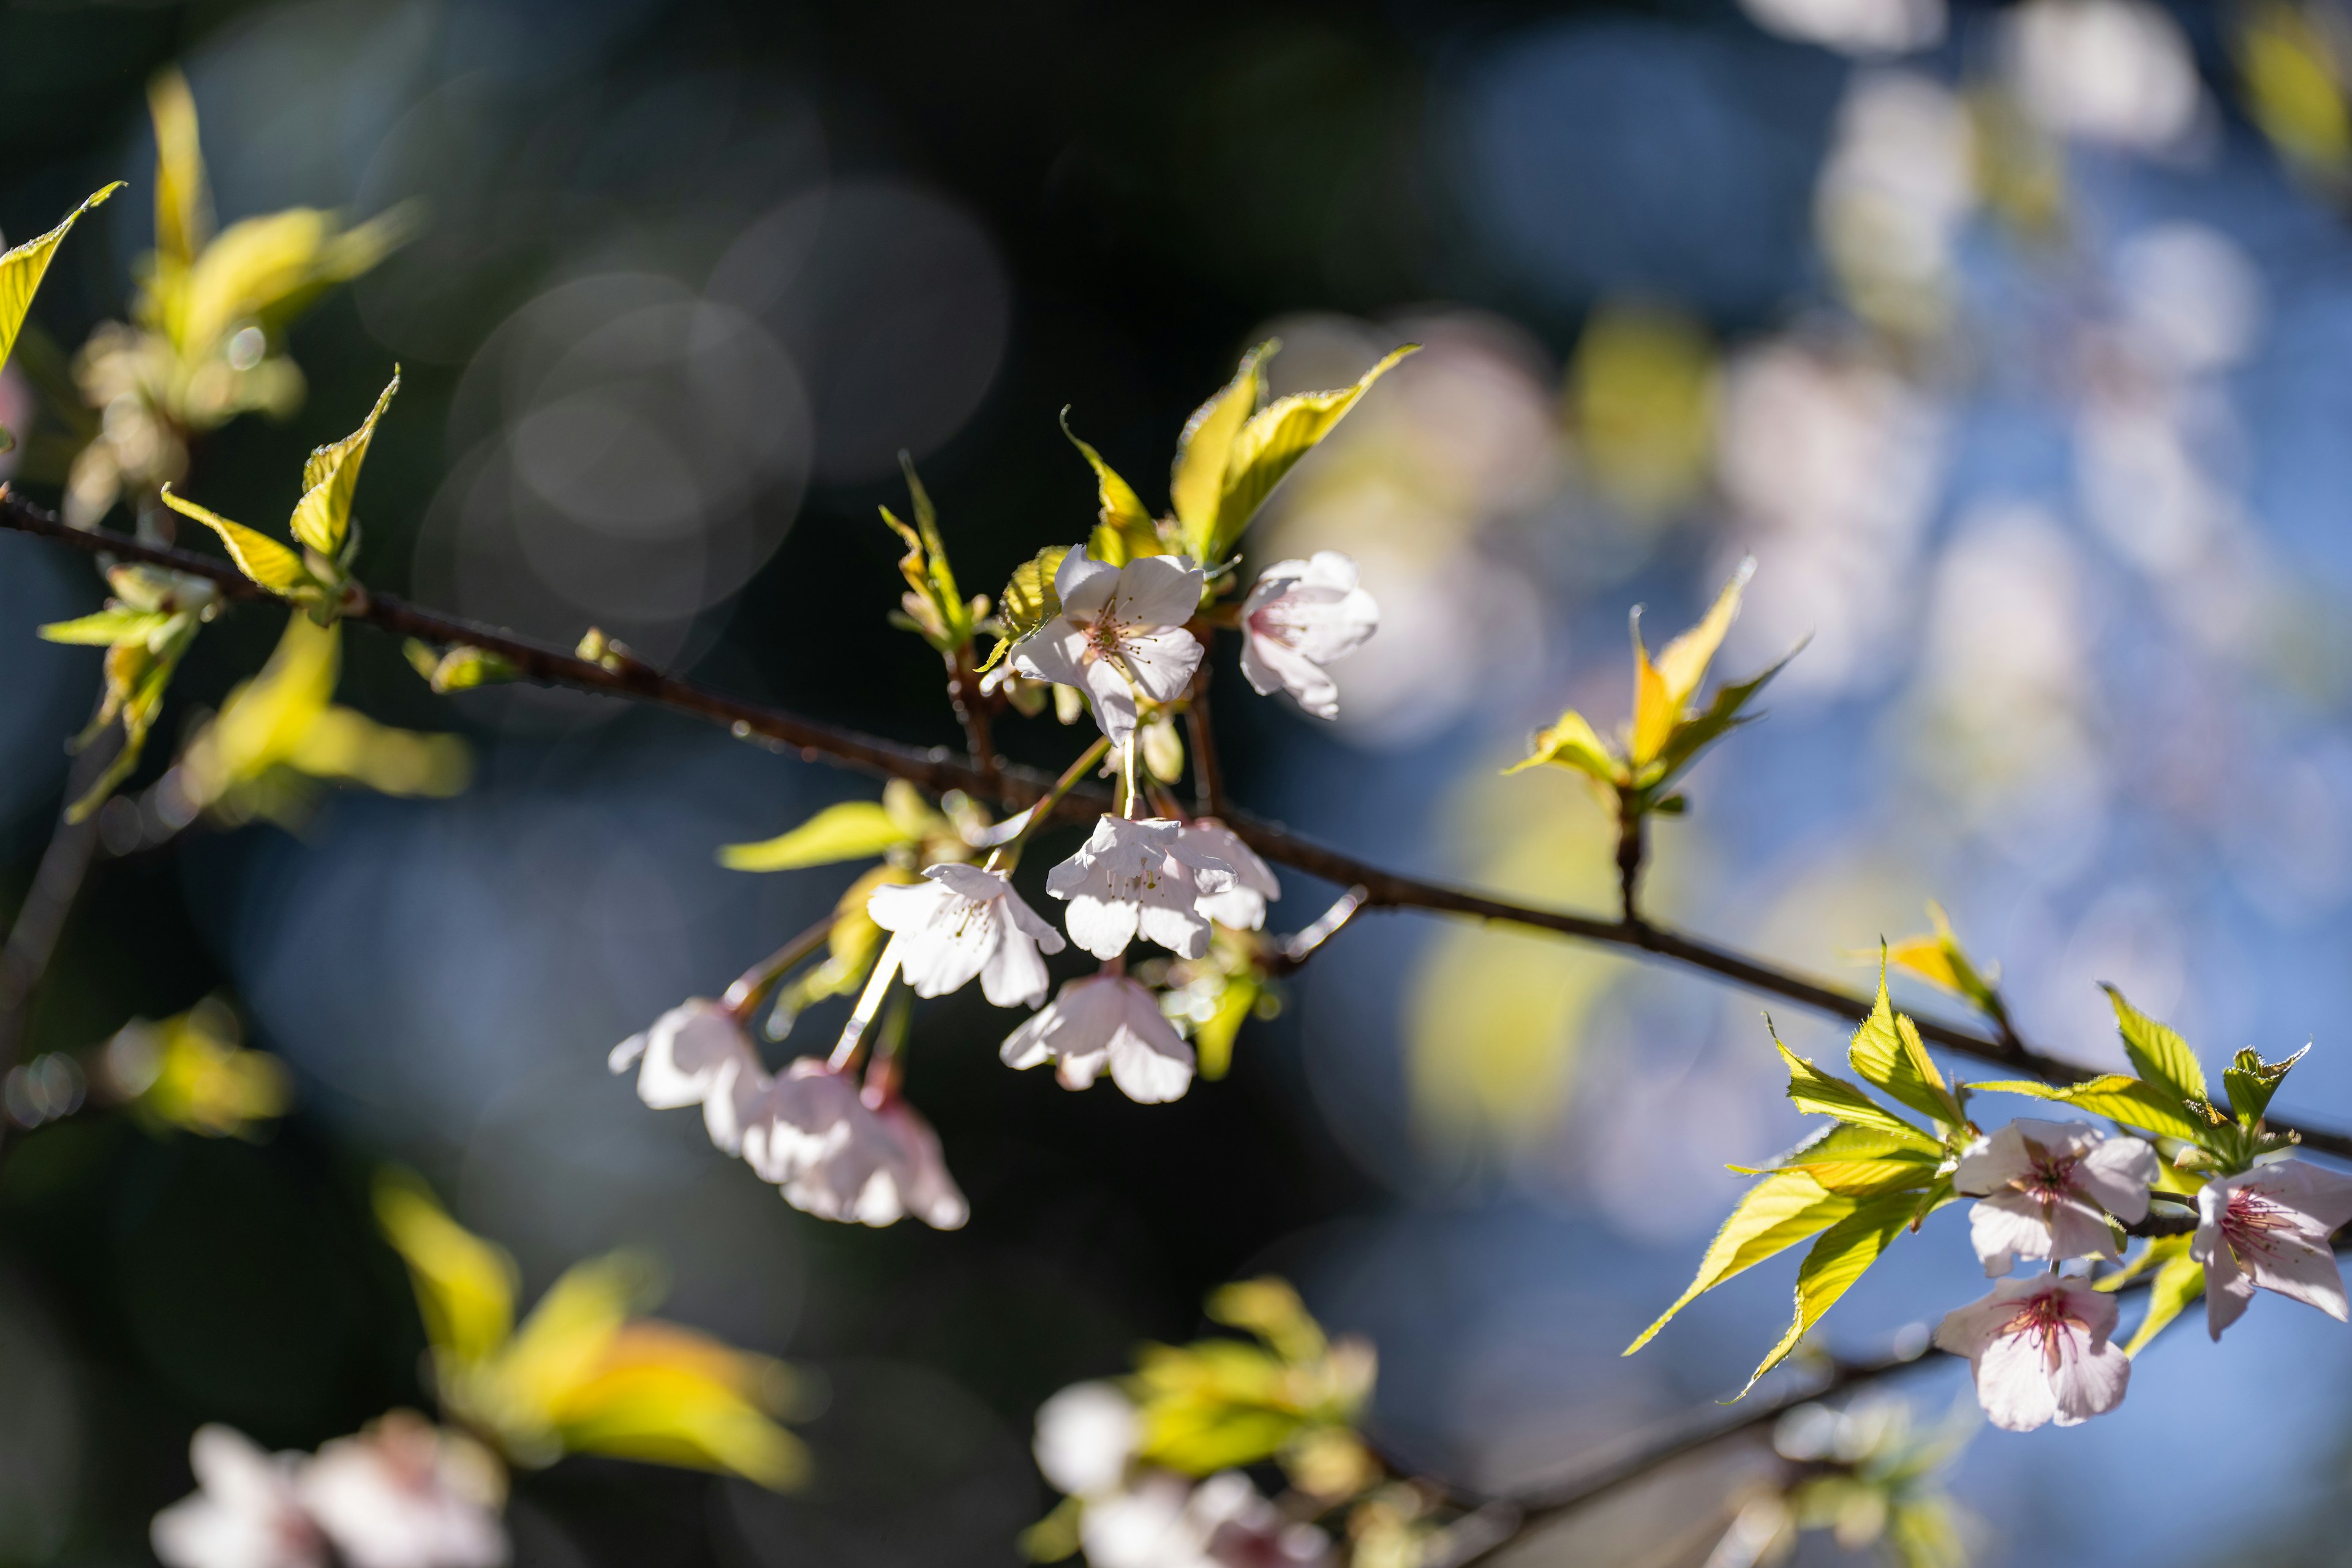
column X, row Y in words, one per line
column 184, row 210
column 2180, row 1280
column 2115, row 1096
column 1824, row 1094
column 1888, row 1051
column 1269, row 445
column 2159, row 1054
column 1028, row 602
column 258, row 555
column 852, row 830
column 1844, row 1252
column 323, row 518
column 1681, row 667
column 1124, row 530
column 2250, row 1081
column 108, row 626
column 1777, row 1213
column 1572, row 743
column 1691, row 736
column 1205, row 447
column 21, row 269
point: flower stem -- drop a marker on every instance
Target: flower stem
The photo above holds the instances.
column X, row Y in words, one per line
column 869, row 1001
column 753, row 982
column 1007, row 854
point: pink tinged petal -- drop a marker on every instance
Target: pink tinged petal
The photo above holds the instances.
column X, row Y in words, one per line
column 2090, row 1378
column 930, row 1194
column 2323, row 1195
column 2228, row 1290
column 2299, row 1268
column 1031, row 925
column 1183, row 931
column 1110, row 699
column 1102, row 926
column 804, row 1117
column 2005, row 1228
column 2079, row 1230
column 906, row 906
column 1162, row 662
column 2013, row 1384
column 945, row 951
column 1055, row 652
column 1155, row 591
column 1015, row 975
column 1284, row 667
column 627, row 1055
column 1084, row 584
column 1149, row 1059
column 735, row 1099
column 684, row 1053
column 2117, row 1176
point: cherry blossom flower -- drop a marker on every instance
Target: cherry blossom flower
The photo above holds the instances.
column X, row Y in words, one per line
column 245, row 1513
column 961, row 921
column 2271, row 1227
column 1242, row 905
column 404, row 1494
column 1107, row 1020
column 1121, row 632
column 696, row 1054
column 1086, row 1435
column 839, row 1156
column 2047, row 1188
column 1132, row 877
column 1302, row 615
column 2039, row 1349
column 1165, row 1521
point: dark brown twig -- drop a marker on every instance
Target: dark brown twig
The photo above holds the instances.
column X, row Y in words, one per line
column 938, row 770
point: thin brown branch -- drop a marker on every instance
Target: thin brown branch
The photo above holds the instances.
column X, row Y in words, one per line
column 938, row 769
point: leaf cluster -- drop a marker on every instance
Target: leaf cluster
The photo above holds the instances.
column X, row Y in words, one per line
column 584, row 1372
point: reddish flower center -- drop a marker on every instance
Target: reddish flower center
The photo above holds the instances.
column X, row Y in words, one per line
column 2047, row 1319
column 2251, row 1223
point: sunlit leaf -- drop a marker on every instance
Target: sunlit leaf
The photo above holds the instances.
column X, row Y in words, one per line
column 2115, row 1096
column 668, row 1395
column 21, row 269
column 849, row 831
column 1771, row 1216
column 1694, row 736
column 1824, row 1094
column 2180, row 1280
column 1888, row 1051
column 1683, row 666
column 465, row 1286
column 1124, row 530
column 1572, row 743
column 458, row 669
column 265, row 271
column 1029, row 600
column 2160, row 1056
column 1844, row 1252
column 933, row 601
column 1205, row 449
column 2293, row 91
column 1269, row 445
column 183, row 209
column 1269, row 1308
column 2250, row 1081
column 258, row 556
column 107, row 626
column 322, row 517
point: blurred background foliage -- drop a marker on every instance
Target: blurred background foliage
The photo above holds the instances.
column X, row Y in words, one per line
column 2014, row 341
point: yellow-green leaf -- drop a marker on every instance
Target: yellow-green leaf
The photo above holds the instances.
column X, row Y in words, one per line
column 1029, row 600
column 1205, row 449
column 1845, row 1251
column 2115, row 1096
column 1654, row 712
column 21, row 269
column 1868, row 1178
column 1683, row 666
column 1269, row 445
column 849, row 831
column 108, row 626
column 184, row 212
column 2180, row 1280
column 1572, row 743
column 322, row 517
column 465, row 1286
column 258, row 555
column 1124, row 529
column 1690, row 736
column 1888, row 1051
column 1771, row 1216
column 1824, row 1094
column 2160, row 1055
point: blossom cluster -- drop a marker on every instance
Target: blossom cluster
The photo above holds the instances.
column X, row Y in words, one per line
column 401, row 1494
column 1121, row 625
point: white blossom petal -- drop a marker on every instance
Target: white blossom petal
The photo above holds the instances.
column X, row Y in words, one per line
column 403, row 1494
column 683, row 1055
column 1107, row 1022
column 2039, row 1351
column 1301, row 616
column 245, row 1513
column 1154, row 591
column 1240, row 906
column 2271, row 1227
column 1086, row 1435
